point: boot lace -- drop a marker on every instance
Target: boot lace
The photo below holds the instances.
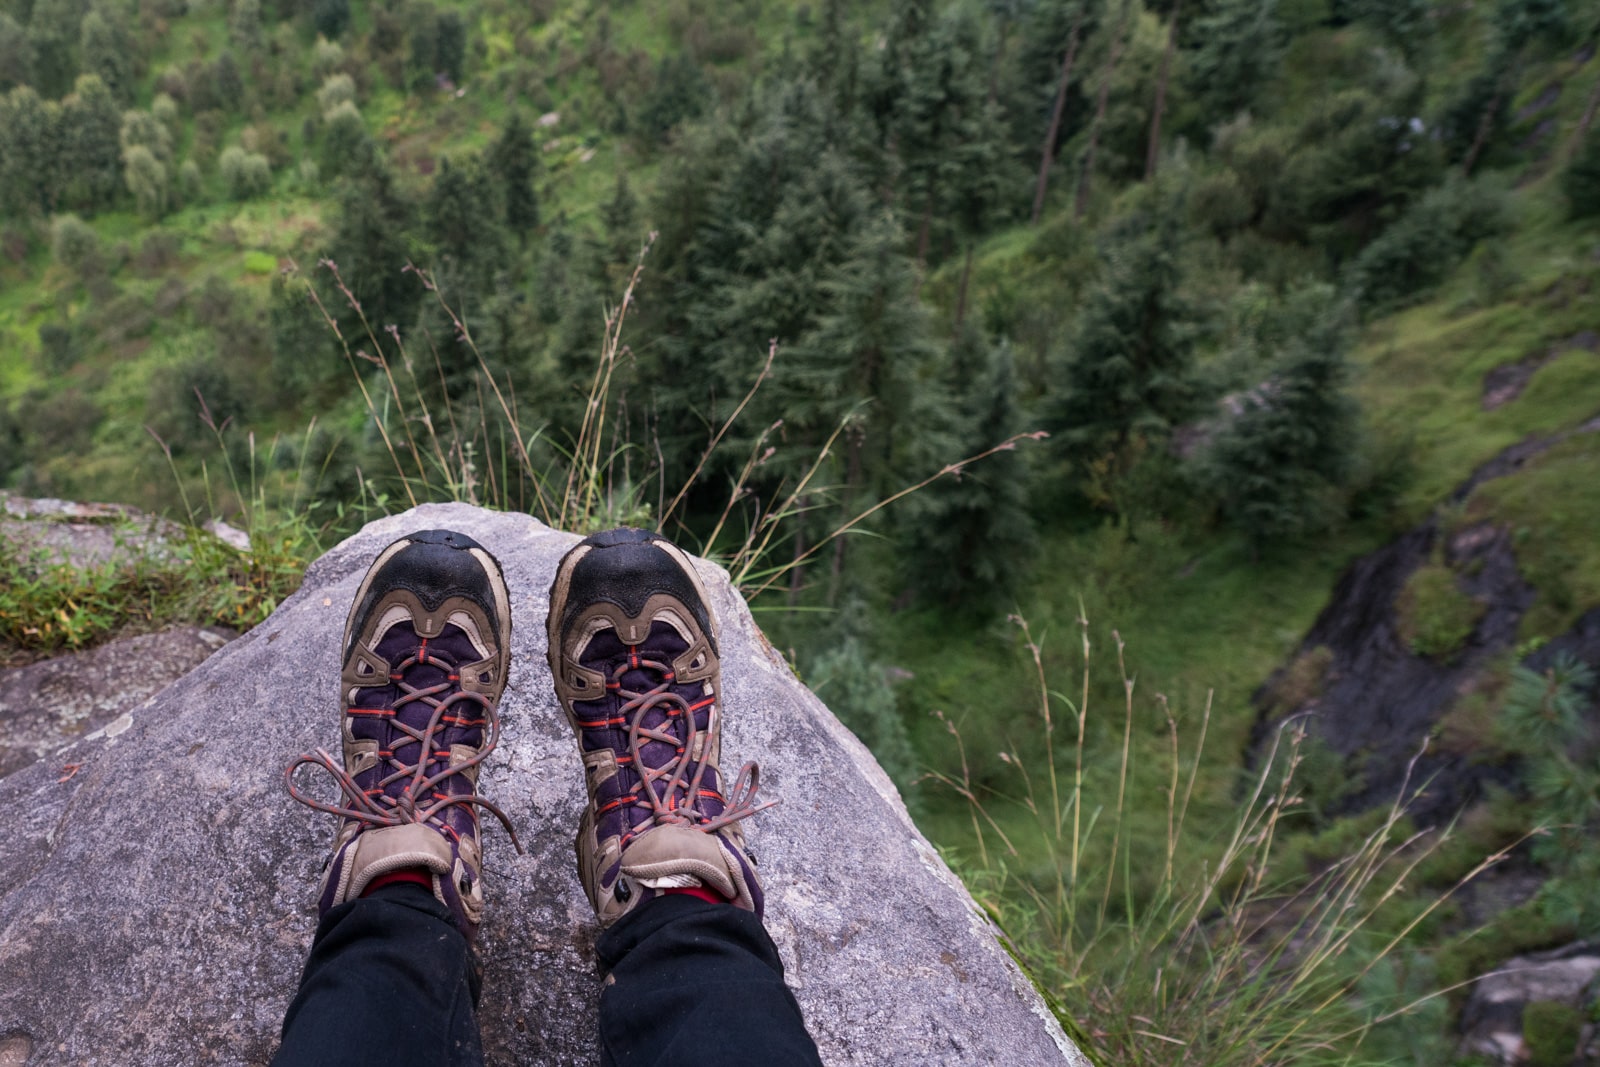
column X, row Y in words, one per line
column 419, row 801
column 672, row 791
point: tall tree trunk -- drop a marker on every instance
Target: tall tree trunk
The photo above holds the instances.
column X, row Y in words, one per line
column 1153, row 156
column 961, row 293
column 1112, row 59
column 1048, row 155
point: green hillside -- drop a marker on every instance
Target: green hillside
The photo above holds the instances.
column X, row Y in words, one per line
column 1247, row 290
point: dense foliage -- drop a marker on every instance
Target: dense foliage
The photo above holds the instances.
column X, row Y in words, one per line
column 1226, row 253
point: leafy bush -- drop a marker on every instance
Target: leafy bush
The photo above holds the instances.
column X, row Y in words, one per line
column 190, row 183
column 1435, row 617
column 344, row 140
column 245, row 174
column 1550, row 1030
column 1421, row 248
column 326, row 57
column 56, row 346
column 336, row 89
column 859, row 693
column 147, row 181
column 74, row 243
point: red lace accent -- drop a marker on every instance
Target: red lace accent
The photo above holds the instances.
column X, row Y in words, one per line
column 672, row 792
column 375, row 807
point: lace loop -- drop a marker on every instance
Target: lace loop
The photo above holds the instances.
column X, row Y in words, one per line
column 376, row 808
column 671, row 791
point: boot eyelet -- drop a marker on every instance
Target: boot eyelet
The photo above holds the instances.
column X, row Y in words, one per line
column 623, row 892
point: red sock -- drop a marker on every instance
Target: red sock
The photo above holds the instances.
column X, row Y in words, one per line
column 700, row 892
column 415, row 875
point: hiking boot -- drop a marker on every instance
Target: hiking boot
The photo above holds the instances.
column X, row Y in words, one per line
column 633, row 651
column 426, row 649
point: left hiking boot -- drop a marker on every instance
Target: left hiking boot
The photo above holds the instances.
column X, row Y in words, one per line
column 426, row 649
column 633, row 651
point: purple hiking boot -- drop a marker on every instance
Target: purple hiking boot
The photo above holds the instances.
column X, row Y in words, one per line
column 426, row 648
column 633, row 651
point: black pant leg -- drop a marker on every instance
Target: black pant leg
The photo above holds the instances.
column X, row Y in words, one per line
column 693, row 982
column 390, row 982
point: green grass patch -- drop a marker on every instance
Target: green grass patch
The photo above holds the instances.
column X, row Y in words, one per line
column 1434, row 616
column 47, row 605
column 1553, row 510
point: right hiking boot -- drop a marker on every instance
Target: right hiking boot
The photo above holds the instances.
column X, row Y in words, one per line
column 633, row 652
column 426, row 648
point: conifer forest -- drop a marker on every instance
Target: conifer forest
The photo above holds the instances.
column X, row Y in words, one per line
column 1166, row 432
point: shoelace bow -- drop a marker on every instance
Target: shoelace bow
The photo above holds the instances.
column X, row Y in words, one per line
column 662, row 800
column 375, row 807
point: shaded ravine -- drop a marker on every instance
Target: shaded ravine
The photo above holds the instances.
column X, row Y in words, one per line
column 1374, row 700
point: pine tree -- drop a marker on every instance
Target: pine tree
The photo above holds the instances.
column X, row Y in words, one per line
column 463, row 218
column 968, row 537
column 91, row 150
column 147, row 180
column 1240, row 42
column 30, row 136
column 54, row 28
column 619, row 220
column 681, row 93
column 304, row 356
column 1290, row 439
column 228, row 83
column 866, row 353
column 330, row 17
column 768, row 210
column 857, row 690
column 244, row 27
column 372, row 245
column 1126, row 371
column 451, row 54
column 514, row 159
column 422, row 35
column 16, row 54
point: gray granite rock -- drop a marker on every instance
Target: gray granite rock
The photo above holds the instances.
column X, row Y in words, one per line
column 84, row 535
column 1491, row 1020
column 45, row 706
column 156, row 906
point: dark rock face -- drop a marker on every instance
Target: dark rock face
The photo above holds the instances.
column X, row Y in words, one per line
column 47, row 705
column 1506, row 382
column 1492, row 1019
column 157, row 905
column 1379, row 699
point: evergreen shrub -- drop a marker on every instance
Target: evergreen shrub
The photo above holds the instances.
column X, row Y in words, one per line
column 344, row 139
column 336, row 89
column 859, row 693
column 326, row 57
column 1435, row 617
column 172, row 83
column 1550, row 1030
column 245, row 174
column 165, row 110
column 73, row 243
column 190, row 183
column 1425, row 244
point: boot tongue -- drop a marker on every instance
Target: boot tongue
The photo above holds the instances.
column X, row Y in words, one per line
column 671, row 857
